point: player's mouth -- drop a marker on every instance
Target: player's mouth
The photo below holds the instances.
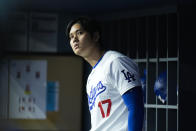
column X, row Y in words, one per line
column 76, row 46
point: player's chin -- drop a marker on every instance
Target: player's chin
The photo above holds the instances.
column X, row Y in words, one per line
column 77, row 52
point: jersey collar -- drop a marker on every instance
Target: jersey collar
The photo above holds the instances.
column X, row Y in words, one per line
column 98, row 62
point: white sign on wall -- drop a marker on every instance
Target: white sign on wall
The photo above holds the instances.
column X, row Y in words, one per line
column 43, row 32
column 28, row 79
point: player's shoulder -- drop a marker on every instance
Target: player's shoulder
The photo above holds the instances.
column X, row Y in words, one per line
column 116, row 59
column 112, row 56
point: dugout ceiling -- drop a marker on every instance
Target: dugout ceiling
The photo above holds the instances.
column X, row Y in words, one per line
column 86, row 6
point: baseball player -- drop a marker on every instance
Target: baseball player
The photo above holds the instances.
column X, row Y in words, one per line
column 114, row 90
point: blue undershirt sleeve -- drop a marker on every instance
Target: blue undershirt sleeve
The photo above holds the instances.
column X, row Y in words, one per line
column 133, row 99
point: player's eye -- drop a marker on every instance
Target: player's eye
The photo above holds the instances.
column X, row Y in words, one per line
column 79, row 32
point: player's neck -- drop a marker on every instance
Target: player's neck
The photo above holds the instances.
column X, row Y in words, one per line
column 94, row 56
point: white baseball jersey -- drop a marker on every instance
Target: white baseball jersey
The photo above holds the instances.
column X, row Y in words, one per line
column 112, row 76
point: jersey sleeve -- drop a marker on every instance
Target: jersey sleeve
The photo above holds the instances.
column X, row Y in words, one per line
column 124, row 74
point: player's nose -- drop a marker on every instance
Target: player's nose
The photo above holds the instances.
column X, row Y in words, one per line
column 75, row 39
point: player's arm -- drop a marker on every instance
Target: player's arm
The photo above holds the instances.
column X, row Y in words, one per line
column 133, row 99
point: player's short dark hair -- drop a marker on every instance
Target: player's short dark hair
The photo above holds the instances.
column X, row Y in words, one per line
column 88, row 24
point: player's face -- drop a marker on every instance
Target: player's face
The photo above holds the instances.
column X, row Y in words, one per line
column 80, row 40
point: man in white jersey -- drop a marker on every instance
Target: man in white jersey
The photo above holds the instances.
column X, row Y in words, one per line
column 113, row 87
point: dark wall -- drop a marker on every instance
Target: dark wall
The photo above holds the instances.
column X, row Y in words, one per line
column 187, row 67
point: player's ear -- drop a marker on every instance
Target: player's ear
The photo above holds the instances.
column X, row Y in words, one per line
column 96, row 36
